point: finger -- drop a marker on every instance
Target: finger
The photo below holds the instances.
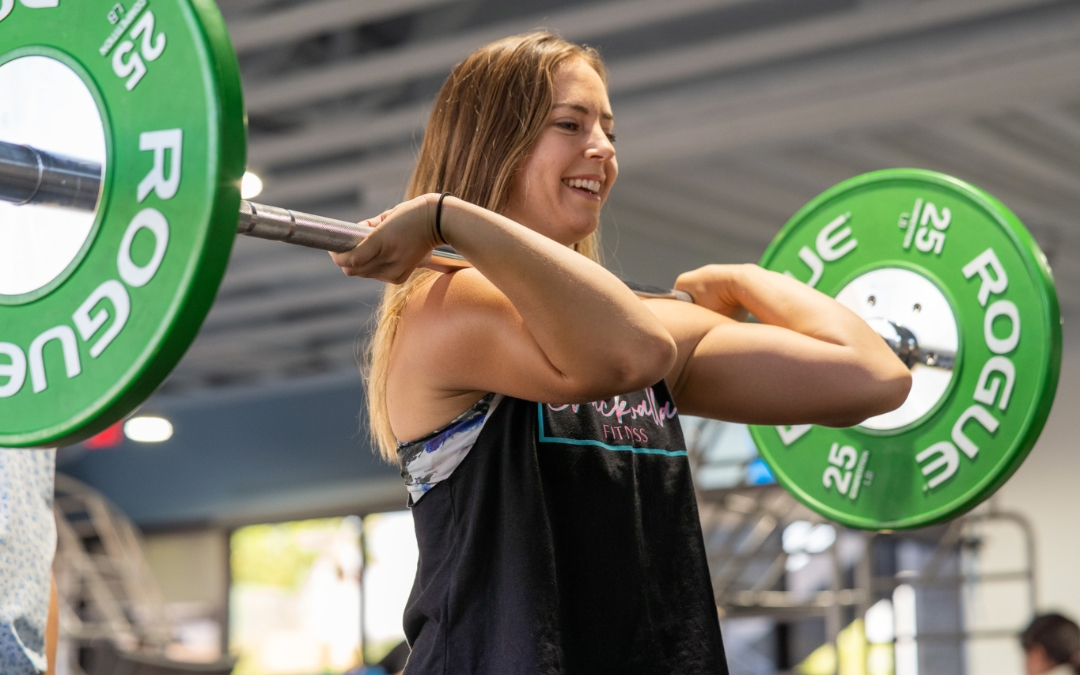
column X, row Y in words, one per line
column 377, row 220
column 364, row 252
column 360, row 263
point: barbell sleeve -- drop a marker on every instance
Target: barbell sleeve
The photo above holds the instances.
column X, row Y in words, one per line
column 304, row 229
column 328, row 234
column 32, row 176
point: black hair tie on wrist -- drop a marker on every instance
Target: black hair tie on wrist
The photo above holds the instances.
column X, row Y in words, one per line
column 438, row 218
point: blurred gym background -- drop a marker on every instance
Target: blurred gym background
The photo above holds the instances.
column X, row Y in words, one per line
column 242, row 515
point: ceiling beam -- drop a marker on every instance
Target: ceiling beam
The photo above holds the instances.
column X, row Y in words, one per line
column 728, row 176
column 683, row 217
column 1005, row 157
column 864, row 24
column 312, row 18
column 283, row 303
column 669, row 67
column 1061, row 122
column 251, row 346
column 983, row 75
column 438, row 56
column 880, row 152
column 389, row 170
column 355, row 131
column 776, row 115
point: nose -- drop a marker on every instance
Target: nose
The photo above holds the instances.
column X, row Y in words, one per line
column 599, row 145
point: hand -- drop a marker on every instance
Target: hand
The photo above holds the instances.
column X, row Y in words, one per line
column 715, row 287
column 403, row 239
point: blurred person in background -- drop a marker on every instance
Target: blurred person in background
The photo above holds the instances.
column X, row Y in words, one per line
column 1051, row 645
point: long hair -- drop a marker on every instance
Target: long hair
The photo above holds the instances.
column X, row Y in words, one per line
column 486, row 120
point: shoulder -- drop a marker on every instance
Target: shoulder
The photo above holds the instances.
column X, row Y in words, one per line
column 462, row 290
column 446, row 328
column 462, row 301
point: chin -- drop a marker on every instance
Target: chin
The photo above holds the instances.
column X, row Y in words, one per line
column 579, row 233
column 581, row 225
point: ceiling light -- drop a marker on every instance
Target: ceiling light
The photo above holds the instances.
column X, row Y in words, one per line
column 795, row 535
column 879, row 623
column 796, row 562
column 903, row 601
column 148, row 429
column 820, row 538
column 250, row 186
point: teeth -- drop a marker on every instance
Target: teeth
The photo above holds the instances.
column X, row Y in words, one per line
column 590, row 185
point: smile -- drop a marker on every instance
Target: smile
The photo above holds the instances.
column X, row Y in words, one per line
column 590, row 186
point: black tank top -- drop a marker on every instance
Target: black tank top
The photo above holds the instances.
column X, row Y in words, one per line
column 567, row 541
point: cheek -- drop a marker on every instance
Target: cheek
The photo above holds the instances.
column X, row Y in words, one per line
column 522, row 186
column 613, row 172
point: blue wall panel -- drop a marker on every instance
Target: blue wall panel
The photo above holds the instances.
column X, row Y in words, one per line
column 237, row 456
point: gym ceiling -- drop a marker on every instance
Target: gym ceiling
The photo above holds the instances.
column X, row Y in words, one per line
column 731, row 114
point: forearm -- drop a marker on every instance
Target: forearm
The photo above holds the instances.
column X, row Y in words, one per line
column 588, row 324
column 779, row 300
column 811, row 360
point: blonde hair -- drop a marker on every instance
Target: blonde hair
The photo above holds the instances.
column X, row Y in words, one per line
column 486, row 119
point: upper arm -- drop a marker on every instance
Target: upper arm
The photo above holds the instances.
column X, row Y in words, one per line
column 762, row 374
column 459, row 333
column 460, row 337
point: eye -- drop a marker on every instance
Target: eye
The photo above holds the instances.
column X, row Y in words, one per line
column 568, row 125
column 611, row 136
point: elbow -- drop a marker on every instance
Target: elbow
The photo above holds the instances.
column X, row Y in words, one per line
column 635, row 367
column 891, row 385
column 882, row 392
column 648, row 363
column 896, row 389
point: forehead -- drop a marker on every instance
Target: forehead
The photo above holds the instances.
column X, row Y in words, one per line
column 577, row 84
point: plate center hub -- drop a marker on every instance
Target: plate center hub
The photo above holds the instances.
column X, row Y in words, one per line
column 44, row 104
column 914, row 317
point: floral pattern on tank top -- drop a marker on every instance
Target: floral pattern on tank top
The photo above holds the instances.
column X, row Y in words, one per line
column 431, row 459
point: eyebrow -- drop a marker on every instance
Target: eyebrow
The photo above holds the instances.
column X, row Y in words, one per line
column 584, row 109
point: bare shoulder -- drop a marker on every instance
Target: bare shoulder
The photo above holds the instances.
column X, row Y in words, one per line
column 450, row 305
column 448, row 335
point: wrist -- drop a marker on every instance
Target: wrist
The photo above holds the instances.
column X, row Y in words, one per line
column 740, row 279
column 733, row 286
column 440, row 210
column 431, row 219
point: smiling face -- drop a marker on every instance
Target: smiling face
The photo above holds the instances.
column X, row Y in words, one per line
column 567, row 176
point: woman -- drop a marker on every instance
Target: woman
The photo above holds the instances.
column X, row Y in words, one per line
column 537, row 395
column 1051, row 645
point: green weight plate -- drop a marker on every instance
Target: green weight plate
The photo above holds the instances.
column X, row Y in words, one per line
column 82, row 351
column 952, row 278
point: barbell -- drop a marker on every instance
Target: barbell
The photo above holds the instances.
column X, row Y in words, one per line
column 148, row 183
